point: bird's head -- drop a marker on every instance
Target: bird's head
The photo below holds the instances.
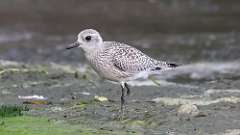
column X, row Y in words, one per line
column 88, row 40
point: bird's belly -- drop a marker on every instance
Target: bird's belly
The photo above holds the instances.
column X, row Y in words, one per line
column 106, row 72
column 105, row 69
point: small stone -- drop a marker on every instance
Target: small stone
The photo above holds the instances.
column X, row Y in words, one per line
column 56, row 109
column 188, row 109
column 100, row 98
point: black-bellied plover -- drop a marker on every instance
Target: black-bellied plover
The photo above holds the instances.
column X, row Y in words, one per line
column 117, row 61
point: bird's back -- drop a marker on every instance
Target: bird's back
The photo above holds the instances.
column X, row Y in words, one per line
column 117, row 60
column 132, row 61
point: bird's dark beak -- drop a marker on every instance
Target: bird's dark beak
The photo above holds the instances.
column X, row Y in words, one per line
column 73, row 45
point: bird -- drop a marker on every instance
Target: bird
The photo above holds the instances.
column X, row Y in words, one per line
column 118, row 62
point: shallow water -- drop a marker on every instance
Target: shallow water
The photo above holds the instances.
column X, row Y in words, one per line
column 202, row 36
column 186, row 32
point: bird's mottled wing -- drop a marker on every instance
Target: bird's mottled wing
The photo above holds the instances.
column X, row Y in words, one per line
column 129, row 59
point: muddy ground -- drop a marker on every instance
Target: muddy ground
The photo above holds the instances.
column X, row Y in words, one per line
column 78, row 97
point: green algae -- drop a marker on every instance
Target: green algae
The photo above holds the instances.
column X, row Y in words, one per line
column 27, row 125
column 11, row 111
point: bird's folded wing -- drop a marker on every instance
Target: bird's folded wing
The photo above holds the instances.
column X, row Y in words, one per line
column 131, row 60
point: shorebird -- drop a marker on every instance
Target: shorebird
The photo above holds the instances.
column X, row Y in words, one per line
column 117, row 61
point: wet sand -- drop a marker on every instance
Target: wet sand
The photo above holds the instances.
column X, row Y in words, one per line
column 73, row 96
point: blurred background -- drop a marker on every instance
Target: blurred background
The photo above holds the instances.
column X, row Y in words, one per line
column 200, row 97
column 182, row 31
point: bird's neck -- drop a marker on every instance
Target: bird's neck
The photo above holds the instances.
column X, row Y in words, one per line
column 89, row 51
column 92, row 48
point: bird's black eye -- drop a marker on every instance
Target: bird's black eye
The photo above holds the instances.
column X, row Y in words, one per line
column 88, row 38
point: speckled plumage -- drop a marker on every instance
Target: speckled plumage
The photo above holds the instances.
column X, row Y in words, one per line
column 116, row 61
column 120, row 62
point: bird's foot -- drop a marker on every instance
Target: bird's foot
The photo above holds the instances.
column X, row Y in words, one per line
column 121, row 114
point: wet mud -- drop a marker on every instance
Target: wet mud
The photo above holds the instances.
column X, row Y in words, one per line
column 76, row 96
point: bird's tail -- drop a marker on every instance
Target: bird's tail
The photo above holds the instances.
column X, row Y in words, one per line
column 162, row 66
column 155, row 70
column 172, row 65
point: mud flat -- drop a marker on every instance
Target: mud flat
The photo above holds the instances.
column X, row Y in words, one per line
column 76, row 96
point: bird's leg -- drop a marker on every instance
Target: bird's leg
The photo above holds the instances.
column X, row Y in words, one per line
column 122, row 100
column 128, row 89
column 153, row 79
column 122, row 97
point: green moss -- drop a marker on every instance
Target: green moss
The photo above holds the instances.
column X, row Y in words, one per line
column 26, row 125
column 83, row 104
column 10, row 111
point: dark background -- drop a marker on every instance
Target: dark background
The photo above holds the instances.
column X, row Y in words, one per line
column 164, row 16
column 183, row 31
